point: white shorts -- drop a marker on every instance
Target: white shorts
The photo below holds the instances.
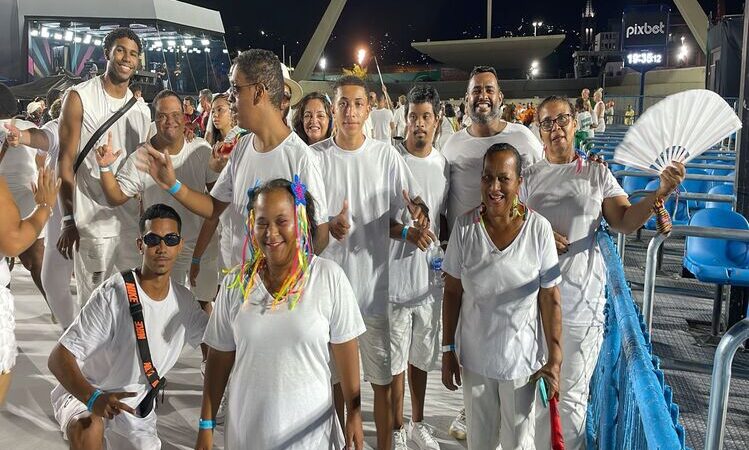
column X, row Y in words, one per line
column 414, row 336
column 8, row 348
column 374, row 348
column 125, row 431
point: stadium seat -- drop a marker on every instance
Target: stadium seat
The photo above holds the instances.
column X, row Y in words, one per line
column 721, row 189
column 631, row 184
column 718, row 261
column 697, row 187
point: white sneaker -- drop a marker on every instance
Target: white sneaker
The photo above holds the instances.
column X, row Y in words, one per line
column 221, row 413
column 422, row 435
column 400, row 439
column 458, row 428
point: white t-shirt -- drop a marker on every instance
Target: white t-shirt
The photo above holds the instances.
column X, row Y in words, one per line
column 499, row 332
column 372, row 179
column 400, row 121
column 18, row 167
column 247, row 168
column 191, row 168
column 446, row 130
column 368, row 129
column 572, row 202
column 102, row 338
column 585, row 122
column 465, row 154
column 284, row 400
column 381, row 120
column 93, row 215
column 52, row 130
column 409, row 270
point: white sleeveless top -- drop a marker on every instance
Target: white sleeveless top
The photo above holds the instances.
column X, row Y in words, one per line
column 93, row 215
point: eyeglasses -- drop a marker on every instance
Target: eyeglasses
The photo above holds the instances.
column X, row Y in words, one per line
column 153, row 239
column 234, row 88
column 562, row 120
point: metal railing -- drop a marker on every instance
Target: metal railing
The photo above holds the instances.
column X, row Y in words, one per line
column 631, row 407
column 621, row 238
column 648, row 294
column 721, row 382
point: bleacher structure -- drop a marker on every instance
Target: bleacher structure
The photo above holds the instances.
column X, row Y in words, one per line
column 631, row 405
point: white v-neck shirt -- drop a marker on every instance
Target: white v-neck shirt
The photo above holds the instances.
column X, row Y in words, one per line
column 499, row 333
column 572, row 201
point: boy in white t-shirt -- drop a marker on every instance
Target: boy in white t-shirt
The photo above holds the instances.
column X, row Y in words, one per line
column 370, row 180
column 192, row 163
column 415, row 294
column 102, row 380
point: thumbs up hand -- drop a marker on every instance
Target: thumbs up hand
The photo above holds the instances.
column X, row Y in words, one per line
column 340, row 225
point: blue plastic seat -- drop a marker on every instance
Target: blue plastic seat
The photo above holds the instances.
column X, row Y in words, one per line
column 718, row 260
column 721, row 189
column 631, row 184
column 679, row 215
column 697, row 187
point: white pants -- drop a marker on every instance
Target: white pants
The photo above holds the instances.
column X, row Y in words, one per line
column 580, row 348
column 499, row 412
column 56, row 274
column 8, row 348
column 99, row 258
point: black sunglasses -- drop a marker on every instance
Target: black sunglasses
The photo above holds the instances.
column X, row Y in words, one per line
column 153, row 239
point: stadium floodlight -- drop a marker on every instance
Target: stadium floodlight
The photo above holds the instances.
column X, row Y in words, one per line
column 205, row 42
column 68, row 35
column 34, row 32
column 77, row 39
column 171, row 43
column 45, row 32
column 188, row 42
column 360, row 55
column 58, row 36
column 87, row 39
column 97, row 42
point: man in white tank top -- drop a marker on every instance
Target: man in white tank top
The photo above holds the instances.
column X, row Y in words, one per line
column 91, row 229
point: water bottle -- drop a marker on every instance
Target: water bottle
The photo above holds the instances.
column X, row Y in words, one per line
column 435, row 257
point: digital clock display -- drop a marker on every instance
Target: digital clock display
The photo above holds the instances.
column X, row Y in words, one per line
column 644, row 58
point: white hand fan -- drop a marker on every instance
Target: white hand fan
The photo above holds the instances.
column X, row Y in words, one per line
column 678, row 128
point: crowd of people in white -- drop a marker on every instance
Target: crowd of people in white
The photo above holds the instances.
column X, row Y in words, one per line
column 297, row 245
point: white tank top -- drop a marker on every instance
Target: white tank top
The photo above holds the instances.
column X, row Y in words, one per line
column 93, row 215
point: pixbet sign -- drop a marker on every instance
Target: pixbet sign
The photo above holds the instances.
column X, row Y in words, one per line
column 646, row 28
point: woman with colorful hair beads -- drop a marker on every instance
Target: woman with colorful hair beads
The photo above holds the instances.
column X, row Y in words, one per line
column 271, row 327
column 500, row 301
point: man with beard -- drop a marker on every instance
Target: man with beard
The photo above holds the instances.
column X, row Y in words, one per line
column 91, row 229
column 465, row 151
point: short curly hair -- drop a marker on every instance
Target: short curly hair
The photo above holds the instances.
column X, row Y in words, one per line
column 119, row 33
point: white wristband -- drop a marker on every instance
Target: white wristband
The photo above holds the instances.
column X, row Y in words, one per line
column 105, row 169
column 68, row 218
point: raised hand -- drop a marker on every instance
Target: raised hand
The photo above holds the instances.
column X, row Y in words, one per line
column 421, row 237
column 671, row 178
column 157, row 164
column 105, row 154
column 340, row 225
column 219, row 157
column 13, row 134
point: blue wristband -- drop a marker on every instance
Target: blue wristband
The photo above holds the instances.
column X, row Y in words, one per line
column 206, row 424
column 404, row 233
column 92, row 400
column 195, row 260
column 175, row 188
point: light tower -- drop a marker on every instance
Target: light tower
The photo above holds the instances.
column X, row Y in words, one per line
column 588, row 25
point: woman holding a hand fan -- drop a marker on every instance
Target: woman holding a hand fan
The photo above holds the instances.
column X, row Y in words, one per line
column 575, row 195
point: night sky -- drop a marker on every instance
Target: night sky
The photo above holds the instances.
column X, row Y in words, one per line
column 387, row 27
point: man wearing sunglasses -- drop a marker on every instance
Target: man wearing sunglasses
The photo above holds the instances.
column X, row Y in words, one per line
column 191, row 162
column 102, row 382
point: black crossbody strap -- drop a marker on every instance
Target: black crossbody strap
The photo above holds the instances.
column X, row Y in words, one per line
column 141, row 340
column 100, row 132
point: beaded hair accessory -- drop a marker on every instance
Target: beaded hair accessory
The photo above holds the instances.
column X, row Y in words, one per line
column 293, row 286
